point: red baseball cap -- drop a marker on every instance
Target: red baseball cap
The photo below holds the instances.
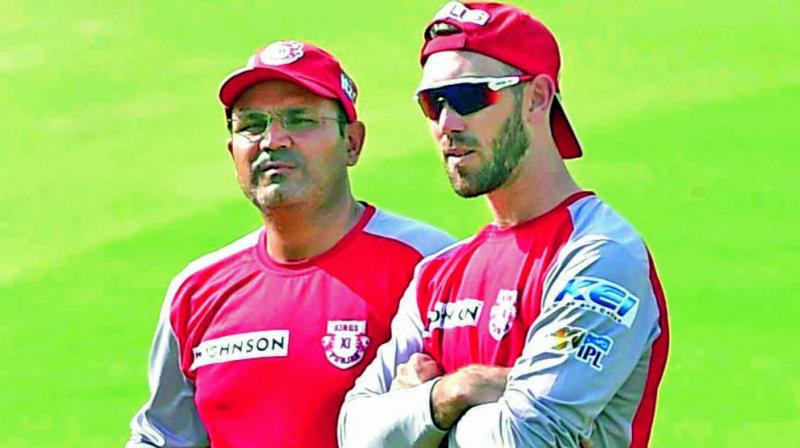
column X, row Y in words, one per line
column 510, row 35
column 301, row 63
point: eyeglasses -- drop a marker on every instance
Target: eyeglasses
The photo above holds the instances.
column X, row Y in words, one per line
column 464, row 95
column 251, row 125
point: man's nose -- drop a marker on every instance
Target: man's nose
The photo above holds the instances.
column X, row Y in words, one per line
column 450, row 121
column 275, row 138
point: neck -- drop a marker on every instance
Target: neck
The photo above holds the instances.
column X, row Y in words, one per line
column 541, row 182
column 298, row 232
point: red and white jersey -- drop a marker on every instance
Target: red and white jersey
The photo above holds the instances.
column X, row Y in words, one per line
column 570, row 300
column 252, row 352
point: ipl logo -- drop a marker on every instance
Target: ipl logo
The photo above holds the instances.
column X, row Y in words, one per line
column 346, row 342
column 588, row 347
column 282, row 52
column 503, row 313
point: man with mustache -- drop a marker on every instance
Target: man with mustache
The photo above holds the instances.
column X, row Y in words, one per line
column 548, row 328
column 258, row 342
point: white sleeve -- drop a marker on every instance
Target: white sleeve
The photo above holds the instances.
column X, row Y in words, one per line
column 577, row 356
column 371, row 415
column 169, row 418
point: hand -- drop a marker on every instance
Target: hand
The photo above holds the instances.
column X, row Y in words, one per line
column 469, row 386
column 419, row 369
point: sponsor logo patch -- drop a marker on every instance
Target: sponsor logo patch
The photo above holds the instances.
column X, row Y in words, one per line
column 281, row 52
column 258, row 344
column 349, row 87
column 600, row 296
column 457, row 11
column 503, row 313
column 587, row 347
column 461, row 313
column 346, row 342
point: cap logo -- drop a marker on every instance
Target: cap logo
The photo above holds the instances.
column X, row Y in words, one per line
column 349, row 87
column 281, row 52
column 457, row 11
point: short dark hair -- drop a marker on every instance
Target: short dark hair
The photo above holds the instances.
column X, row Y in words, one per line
column 441, row 29
column 229, row 118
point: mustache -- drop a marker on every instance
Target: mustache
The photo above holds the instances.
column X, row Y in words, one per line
column 462, row 140
column 284, row 156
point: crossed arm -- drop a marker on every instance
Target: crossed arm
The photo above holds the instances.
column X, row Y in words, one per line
column 454, row 393
column 549, row 398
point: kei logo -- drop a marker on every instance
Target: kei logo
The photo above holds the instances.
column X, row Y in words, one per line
column 346, row 342
column 600, row 296
column 503, row 313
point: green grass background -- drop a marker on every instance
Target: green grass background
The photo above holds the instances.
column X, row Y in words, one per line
column 113, row 175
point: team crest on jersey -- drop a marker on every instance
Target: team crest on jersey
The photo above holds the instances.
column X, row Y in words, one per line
column 457, row 11
column 503, row 313
column 281, row 52
column 346, row 342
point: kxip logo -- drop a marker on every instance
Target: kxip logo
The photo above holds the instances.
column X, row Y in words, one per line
column 503, row 313
column 600, row 296
column 282, row 52
column 346, row 342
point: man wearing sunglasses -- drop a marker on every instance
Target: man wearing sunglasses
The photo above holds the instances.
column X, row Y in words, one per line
column 548, row 327
column 259, row 341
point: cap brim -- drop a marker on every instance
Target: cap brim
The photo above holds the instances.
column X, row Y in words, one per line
column 564, row 136
column 235, row 84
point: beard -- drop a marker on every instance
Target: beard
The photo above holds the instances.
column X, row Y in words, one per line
column 270, row 196
column 508, row 147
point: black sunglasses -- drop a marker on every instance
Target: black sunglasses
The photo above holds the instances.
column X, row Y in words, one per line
column 464, row 95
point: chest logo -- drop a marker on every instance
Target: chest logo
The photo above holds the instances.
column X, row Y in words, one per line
column 346, row 342
column 447, row 315
column 503, row 313
column 257, row 344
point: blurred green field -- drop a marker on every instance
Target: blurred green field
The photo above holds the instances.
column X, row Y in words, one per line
column 114, row 175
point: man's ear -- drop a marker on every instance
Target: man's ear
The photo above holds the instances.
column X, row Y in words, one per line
column 354, row 135
column 230, row 146
column 537, row 98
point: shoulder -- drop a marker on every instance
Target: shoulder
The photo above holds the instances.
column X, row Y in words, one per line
column 605, row 257
column 203, row 268
column 423, row 238
column 599, row 230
